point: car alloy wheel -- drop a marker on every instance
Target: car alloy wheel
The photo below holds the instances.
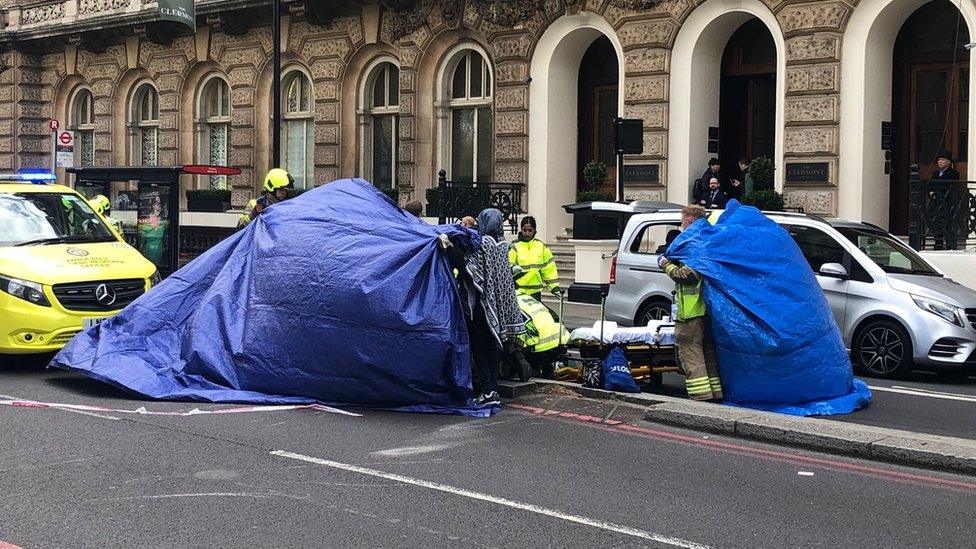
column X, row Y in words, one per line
column 882, row 350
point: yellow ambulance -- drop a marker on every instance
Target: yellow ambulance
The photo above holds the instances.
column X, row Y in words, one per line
column 62, row 268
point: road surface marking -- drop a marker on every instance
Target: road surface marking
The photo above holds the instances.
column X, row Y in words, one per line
column 750, row 451
column 202, row 495
column 91, row 410
column 924, row 393
column 626, row 530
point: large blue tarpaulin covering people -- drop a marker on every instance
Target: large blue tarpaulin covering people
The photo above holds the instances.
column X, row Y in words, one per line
column 779, row 348
column 336, row 296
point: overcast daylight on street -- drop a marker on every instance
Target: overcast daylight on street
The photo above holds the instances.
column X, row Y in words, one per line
column 487, row 273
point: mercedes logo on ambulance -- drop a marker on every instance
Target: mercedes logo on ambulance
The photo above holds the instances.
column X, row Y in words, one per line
column 105, row 295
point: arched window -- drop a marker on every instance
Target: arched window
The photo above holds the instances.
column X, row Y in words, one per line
column 81, row 120
column 144, row 125
column 381, row 109
column 214, row 119
column 298, row 128
column 469, row 100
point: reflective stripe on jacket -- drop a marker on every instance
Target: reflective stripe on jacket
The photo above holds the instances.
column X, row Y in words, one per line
column 688, row 285
column 542, row 331
column 535, row 258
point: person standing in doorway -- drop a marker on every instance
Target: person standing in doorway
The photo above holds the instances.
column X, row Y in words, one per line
column 700, row 189
column 745, row 185
column 945, row 171
column 533, row 265
column 945, row 237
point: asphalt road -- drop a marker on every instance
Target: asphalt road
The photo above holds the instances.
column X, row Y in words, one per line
column 591, row 476
column 926, row 402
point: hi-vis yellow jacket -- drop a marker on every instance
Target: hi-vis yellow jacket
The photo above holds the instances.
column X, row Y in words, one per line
column 535, row 259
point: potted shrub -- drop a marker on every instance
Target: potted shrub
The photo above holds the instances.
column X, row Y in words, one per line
column 394, row 194
column 761, row 170
column 766, row 200
column 208, row 200
column 595, row 173
column 586, row 225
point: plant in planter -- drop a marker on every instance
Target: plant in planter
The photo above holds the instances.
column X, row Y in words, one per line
column 594, row 196
column 766, row 200
column 595, row 174
column 394, row 194
column 761, row 170
column 208, row 200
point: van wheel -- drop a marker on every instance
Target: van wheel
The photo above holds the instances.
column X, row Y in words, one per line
column 883, row 349
column 655, row 309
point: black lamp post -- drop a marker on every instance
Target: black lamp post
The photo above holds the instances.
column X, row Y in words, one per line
column 276, row 87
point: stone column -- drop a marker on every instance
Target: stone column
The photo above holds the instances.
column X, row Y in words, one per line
column 813, row 35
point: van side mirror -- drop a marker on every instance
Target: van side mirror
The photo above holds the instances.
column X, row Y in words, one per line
column 833, row 270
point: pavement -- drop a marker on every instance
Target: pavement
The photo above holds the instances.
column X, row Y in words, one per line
column 551, row 469
column 926, row 402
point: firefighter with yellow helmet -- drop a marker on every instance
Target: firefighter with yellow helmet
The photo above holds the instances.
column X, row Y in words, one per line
column 103, row 207
column 276, row 186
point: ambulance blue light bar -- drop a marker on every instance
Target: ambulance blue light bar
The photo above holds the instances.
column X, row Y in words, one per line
column 36, row 176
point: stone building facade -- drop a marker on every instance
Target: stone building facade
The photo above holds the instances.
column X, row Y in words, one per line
column 395, row 90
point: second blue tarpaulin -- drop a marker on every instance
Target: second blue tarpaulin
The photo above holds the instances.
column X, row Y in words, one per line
column 779, row 348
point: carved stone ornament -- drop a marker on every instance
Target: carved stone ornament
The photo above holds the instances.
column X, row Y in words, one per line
column 635, row 5
column 406, row 16
column 45, row 12
column 86, row 7
column 507, row 13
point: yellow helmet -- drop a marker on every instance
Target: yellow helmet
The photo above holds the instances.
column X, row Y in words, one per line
column 101, row 204
column 278, row 179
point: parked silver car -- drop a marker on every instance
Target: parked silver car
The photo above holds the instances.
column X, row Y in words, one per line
column 894, row 309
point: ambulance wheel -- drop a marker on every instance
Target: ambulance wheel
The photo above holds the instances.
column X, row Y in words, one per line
column 655, row 309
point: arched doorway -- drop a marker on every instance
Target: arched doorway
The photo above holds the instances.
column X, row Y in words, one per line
column 555, row 103
column 712, row 71
column 747, row 110
column 597, row 98
column 930, row 99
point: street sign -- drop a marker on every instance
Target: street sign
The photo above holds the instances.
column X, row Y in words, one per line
column 65, row 149
column 197, row 169
column 54, row 125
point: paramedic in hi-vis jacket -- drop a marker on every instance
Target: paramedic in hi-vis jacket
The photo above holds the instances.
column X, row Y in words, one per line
column 532, row 263
column 692, row 332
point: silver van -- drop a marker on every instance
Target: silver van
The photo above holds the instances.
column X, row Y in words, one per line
column 895, row 310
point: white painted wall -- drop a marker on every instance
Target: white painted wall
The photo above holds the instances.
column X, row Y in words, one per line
column 553, row 128
column 957, row 265
column 696, row 63
column 865, row 101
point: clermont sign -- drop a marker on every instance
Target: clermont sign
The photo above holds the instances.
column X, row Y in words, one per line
column 179, row 11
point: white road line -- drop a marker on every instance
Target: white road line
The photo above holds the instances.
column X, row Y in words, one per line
column 203, row 495
column 82, row 412
column 626, row 530
column 915, row 392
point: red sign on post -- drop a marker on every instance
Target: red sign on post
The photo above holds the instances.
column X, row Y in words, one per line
column 54, row 125
column 66, row 138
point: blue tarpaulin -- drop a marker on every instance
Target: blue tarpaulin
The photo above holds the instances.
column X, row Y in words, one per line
column 779, row 348
column 336, row 296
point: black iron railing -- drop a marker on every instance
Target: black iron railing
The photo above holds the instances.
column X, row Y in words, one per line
column 941, row 213
column 452, row 200
column 194, row 240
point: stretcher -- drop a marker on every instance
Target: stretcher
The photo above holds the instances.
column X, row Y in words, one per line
column 650, row 350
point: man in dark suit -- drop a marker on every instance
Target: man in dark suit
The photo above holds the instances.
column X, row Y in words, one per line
column 945, row 237
column 715, row 197
column 945, row 171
